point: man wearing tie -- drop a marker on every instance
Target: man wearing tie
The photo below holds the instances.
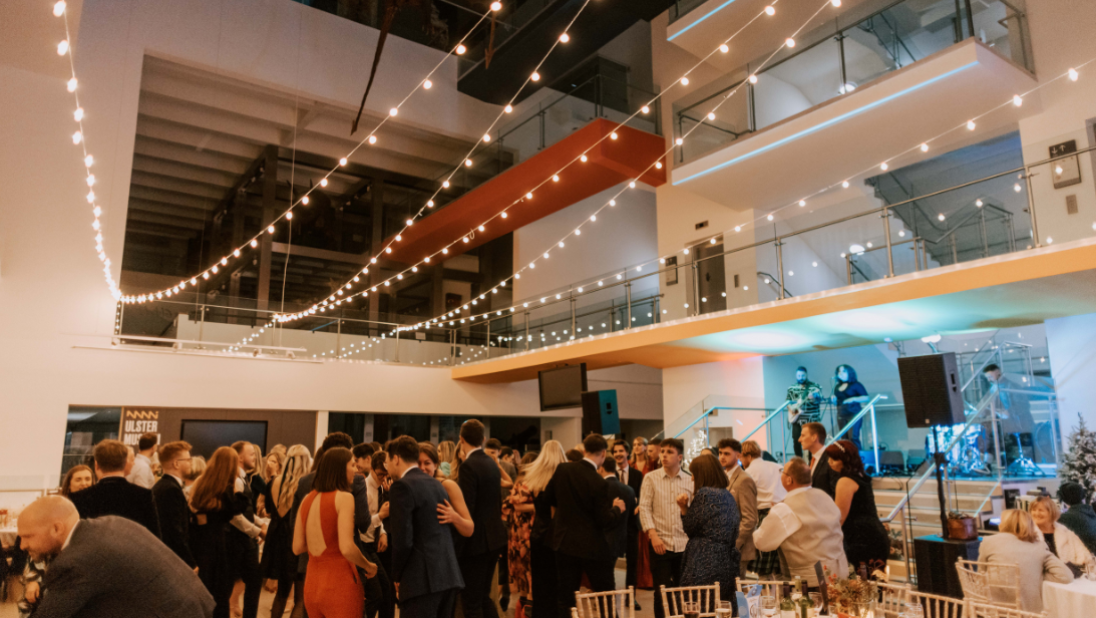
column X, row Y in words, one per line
column 480, row 480
column 424, row 563
column 380, row 596
column 813, row 440
column 632, row 478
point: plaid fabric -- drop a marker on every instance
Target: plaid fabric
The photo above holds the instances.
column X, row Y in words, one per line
column 767, row 562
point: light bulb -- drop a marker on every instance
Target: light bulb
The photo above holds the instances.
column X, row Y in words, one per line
column 372, row 139
column 496, row 6
column 561, row 244
column 91, row 180
column 88, row 161
column 979, row 203
column 529, row 195
column 845, row 185
column 445, row 184
column 658, row 165
column 481, row 228
column 393, row 111
column 738, row 228
column 555, row 177
column 465, row 239
column 1073, row 75
column 970, row 125
column 342, row 161
column 684, row 81
column 236, row 253
column 1017, row 188
column 612, row 202
column 835, row 3
column 711, row 115
column 270, row 229
column 1017, row 100
column 613, row 135
column 535, row 76
column 399, row 237
column 486, row 138
column 679, row 141
column 770, row 217
column 77, row 137
column 593, row 217
column 91, row 197
column 504, row 215
column 645, row 109
column 578, row 232
column 461, row 49
column 563, row 38
column 790, row 42
column 770, row 11
column 723, row 48
column 430, row 203
column 72, row 85
column 288, row 215
column 583, row 158
column 62, row 48
column 305, row 200
column 924, row 147
column 753, row 79
column 323, row 182
column 508, row 109
column 802, row 203
column 410, row 222
column 467, row 163
column 884, row 166
column 59, row 8
column 254, row 243
column 940, row 216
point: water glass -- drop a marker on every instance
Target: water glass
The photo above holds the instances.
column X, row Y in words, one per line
column 723, row 610
column 768, row 606
column 816, row 602
column 691, row 609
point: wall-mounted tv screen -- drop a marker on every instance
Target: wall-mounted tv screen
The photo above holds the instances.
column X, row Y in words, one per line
column 562, row 388
column 207, row 436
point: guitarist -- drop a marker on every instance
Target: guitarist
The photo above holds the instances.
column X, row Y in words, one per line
column 806, row 397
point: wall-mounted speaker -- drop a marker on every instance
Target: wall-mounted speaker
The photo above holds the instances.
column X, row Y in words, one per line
column 930, row 389
column 599, row 413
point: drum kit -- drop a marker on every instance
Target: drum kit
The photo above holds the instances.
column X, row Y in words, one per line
column 966, row 455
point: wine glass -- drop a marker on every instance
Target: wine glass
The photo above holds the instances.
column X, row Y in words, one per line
column 816, row 602
column 723, row 610
column 691, row 609
column 768, row 606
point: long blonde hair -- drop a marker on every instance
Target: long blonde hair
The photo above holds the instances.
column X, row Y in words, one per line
column 544, row 466
column 278, row 456
column 298, row 462
column 1019, row 524
column 446, row 451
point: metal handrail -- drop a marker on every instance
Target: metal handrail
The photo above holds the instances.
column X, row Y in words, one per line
column 767, row 420
column 870, row 408
column 711, row 409
column 787, row 294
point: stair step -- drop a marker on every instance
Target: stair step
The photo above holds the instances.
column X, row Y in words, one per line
column 930, row 501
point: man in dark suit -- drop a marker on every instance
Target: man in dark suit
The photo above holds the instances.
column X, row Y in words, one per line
column 171, row 503
column 113, row 494
column 109, row 567
column 480, row 480
column 813, row 440
column 617, row 535
column 634, row 479
column 584, row 516
column 424, row 563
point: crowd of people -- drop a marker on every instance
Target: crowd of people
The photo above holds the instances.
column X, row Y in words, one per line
column 457, row 528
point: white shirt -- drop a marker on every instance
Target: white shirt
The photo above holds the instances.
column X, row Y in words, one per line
column 373, row 494
column 141, row 474
column 815, row 458
column 622, row 473
column 597, row 468
column 781, row 523
column 766, row 475
column 68, row 539
column 658, row 508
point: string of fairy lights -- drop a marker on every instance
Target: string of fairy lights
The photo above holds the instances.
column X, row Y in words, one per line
column 65, row 48
column 1072, row 74
column 340, row 296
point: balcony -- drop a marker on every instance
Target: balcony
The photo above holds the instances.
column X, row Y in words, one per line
column 857, row 96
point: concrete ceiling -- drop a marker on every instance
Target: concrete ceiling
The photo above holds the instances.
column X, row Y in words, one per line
column 1022, row 288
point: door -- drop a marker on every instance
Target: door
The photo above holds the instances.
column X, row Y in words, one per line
column 712, row 284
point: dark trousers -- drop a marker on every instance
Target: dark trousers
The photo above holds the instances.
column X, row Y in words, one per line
column 666, row 573
column 569, row 570
column 380, row 594
column 542, row 563
column 631, row 555
column 434, row 605
column 504, row 573
column 477, row 572
column 854, row 432
column 797, row 430
column 244, row 556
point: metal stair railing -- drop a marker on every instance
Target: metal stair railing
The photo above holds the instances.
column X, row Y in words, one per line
column 868, row 409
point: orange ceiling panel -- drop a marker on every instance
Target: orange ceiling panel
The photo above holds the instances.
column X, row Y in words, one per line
column 609, row 163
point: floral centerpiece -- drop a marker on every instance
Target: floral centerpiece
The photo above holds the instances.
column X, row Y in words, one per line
column 852, row 596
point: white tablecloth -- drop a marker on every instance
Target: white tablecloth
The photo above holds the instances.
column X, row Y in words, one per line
column 1077, row 599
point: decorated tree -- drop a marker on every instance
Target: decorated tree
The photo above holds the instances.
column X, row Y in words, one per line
column 1079, row 461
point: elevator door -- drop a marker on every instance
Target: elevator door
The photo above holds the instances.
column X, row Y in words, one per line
column 712, row 277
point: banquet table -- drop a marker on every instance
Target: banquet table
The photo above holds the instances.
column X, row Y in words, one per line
column 1068, row 600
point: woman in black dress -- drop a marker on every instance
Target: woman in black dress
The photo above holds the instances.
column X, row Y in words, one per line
column 279, row 562
column 542, row 560
column 866, row 541
column 214, row 503
column 711, row 523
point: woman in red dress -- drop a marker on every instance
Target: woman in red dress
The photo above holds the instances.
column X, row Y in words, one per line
column 331, row 587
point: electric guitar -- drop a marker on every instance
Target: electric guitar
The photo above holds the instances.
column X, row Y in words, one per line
column 794, row 410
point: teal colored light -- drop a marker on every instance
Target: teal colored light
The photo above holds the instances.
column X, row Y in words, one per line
column 710, row 13
column 823, row 125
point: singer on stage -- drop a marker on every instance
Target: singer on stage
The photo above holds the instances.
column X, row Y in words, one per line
column 805, row 397
column 848, row 396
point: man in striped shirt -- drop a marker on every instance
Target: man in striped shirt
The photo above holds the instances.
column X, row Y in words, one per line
column 660, row 516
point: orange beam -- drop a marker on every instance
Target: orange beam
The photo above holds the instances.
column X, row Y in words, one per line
column 609, row 163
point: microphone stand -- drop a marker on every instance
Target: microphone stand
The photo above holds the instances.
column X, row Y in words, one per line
column 940, row 460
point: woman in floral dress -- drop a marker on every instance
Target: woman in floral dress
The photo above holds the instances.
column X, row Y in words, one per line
column 518, row 510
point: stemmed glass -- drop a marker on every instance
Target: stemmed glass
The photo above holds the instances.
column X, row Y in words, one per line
column 768, row 606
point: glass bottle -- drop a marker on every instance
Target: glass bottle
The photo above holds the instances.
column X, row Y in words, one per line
column 787, row 605
column 806, row 606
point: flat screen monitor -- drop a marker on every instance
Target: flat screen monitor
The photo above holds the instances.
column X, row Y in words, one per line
column 562, row 388
column 207, row 436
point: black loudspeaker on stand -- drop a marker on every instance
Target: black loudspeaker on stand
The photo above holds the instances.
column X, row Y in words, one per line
column 600, row 414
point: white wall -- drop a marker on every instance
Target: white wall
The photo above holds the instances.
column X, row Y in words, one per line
column 1072, row 343
column 738, row 383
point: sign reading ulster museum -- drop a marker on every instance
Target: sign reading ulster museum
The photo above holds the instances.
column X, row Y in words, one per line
column 136, row 422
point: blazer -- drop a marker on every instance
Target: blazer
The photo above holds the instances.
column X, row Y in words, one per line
column 617, row 535
column 423, row 558
column 744, row 490
column 823, row 477
column 115, row 495
column 1036, row 564
column 635, row 481
column 481, row 483
column 115, row 568
column 174, row 512
column 584, row 511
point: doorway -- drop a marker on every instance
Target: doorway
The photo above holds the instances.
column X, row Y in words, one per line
column 711, row 275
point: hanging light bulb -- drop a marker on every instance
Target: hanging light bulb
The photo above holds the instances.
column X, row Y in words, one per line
column 254, row 243
column 88, row 161
column 342, row 161
column 508, row 109
column 684, row 81
column 496, row 6
column 971, row 125
column 72, row 85
column 884, row 166
column 613, row 135
column 62, row 47
column 845, row 185
column 564, row 38
column 59, row 8
column 924, row 147
column 372, row 139
column 461, row 49
column 467, row 163
column 753, row 79
column 658, row 165
column 323, row 182
column 790, row 42
column 305, row 200
column 770, row 11
column 427, row 84
column 535, row 76
column 1017, row 100
column 723, row 48
column 555, row 177
column 645, row 109
column 1073, row 75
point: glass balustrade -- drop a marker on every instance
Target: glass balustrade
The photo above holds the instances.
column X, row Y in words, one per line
column 843, row 58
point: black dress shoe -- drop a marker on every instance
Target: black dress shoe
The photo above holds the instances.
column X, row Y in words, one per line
column 638, row 608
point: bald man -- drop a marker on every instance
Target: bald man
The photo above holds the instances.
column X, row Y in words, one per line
column 108, row 567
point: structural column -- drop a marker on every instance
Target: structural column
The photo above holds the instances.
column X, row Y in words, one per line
column 270, row 189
